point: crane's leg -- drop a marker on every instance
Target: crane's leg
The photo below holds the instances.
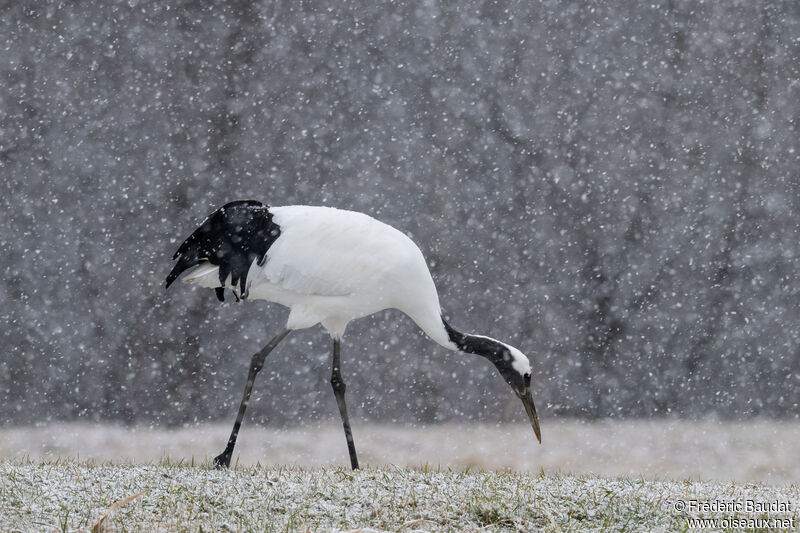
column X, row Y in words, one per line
column 223, row 460
column 339, row 389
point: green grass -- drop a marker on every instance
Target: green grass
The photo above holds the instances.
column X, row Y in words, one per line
column 68, row 495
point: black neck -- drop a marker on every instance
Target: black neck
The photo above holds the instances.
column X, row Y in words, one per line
column 488, row 348
column 495, row 351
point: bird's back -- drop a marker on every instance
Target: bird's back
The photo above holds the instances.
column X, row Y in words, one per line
column 332, row 252
column 331, row 266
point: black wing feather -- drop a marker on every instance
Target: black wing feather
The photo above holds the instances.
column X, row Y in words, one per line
column 231, row 237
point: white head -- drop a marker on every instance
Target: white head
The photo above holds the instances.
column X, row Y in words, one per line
column 515, row 368
column 519, row 362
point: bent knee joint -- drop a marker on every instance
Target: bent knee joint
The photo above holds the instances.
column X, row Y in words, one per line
column 338, row 385
column 257, row 363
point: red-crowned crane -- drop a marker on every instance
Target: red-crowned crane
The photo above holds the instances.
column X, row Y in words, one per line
column 328, row 266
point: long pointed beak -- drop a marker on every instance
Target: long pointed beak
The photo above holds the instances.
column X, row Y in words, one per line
column 530, row 408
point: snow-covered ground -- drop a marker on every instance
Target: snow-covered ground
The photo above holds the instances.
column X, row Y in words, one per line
column 78, row 496
column 756, row 451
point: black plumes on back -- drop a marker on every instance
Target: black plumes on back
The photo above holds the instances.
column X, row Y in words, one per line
column 231, row 237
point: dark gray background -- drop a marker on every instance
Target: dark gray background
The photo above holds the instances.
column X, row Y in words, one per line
column 614, row 189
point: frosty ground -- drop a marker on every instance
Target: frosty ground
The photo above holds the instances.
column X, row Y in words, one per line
column 609, row 476
column 67, row 495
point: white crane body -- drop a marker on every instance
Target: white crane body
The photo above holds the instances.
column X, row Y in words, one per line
column 328, row 266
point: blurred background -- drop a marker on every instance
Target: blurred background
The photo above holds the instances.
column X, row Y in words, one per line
column 612, row 188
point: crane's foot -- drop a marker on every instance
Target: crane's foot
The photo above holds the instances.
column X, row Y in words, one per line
column 223, row 460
